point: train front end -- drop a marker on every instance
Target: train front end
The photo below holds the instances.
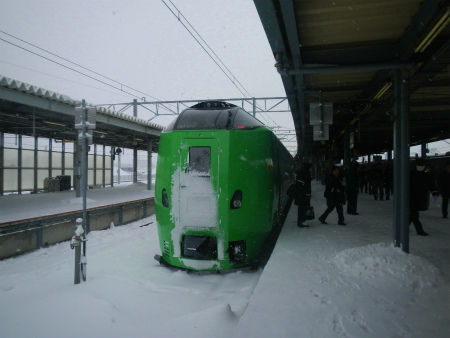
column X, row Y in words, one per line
column 215, row 189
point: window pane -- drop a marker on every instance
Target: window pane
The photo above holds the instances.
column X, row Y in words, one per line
column 27, row 179
column 90, row 161
column 43, row 159
column 192, row 119
column 27, row 142
column 10, row 179
column 27, row 158
column 108, row 177
column 108, row 162
column 11, row 141
column 99, row 177
column 91, row 178
column 11, row 158
column 244, row 120
column 99, row 161
column 68, row 158
column 56, row 160
column 199, row 160
column 42, row 174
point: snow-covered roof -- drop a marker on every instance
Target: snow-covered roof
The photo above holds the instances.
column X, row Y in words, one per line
column 65, row 99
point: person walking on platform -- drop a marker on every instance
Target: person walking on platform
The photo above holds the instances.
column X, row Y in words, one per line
column 352, row 187
column 418, row 192
column 334, row 193
column 388, row 180
column 444, row 188
column 364, row 179
column 303, row 193
column 430, row 181
column 378, row 182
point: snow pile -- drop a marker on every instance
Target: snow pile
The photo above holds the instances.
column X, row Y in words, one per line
column 380, row 262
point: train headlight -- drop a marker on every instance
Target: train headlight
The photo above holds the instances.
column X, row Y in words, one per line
column 236, row 201
column 237, row 204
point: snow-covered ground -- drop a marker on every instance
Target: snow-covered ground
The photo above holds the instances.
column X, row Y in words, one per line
column 322, row 281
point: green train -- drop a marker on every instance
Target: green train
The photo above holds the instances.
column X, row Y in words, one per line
column 221, row 183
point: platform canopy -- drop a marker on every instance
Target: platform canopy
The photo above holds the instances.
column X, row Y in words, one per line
column 33, row 111
column 346, row 52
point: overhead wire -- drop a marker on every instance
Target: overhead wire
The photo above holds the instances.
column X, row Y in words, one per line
column 74, row 63
column 61, row 78
column 212, row 51
column 77, row 71
column 229, row 75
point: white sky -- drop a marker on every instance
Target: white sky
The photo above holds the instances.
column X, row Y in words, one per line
column 141, row 45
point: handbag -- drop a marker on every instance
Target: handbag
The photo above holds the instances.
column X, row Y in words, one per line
column 310, row 213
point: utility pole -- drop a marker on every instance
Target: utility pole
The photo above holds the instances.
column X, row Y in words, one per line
column 85, row 122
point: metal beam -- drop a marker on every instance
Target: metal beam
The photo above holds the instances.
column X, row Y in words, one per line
column 340, row 69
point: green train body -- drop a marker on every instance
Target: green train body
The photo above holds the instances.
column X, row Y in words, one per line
column 221, row 183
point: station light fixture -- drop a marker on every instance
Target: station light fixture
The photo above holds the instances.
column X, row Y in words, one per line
column 100, row 132
column 382, row 90
column 55, row 123
column 434, row 32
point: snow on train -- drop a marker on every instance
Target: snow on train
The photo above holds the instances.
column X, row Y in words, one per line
column 221, row 183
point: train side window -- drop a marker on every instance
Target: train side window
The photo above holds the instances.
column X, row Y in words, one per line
column 199, row 161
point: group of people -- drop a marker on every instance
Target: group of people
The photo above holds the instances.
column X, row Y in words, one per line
column 422, row 185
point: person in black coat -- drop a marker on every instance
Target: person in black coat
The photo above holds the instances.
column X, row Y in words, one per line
column 418, row 194
column 334, row 193
column 303, row 193
column 352, row 187
column 388, row 180
column 444, row 188
column 378, row 181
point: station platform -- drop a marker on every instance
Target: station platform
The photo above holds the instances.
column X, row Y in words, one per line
column 26, row 206
column 350, row 281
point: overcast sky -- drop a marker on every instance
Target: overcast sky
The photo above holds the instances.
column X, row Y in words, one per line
column 139, row 44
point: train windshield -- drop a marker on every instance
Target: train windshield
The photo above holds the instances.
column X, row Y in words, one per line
column 199, row 161
column 236, row 118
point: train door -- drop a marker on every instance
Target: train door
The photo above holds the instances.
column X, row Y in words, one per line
column 199, row 183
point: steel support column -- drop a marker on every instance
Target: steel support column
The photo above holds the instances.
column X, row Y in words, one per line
column 396, row 228
column 135, row 165
column 404, row 166
column 2, row 152
column 77, row 169
column 19, row 169
column 113, row 154
column 423, row 150
column 50, row 158
column 35, row 165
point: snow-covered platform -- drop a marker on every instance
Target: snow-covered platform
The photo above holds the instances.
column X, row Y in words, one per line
column 17, row 207
column 322, row 281
column 349, row 281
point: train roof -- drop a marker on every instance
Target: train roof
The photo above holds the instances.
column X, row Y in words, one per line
column 213, row 115
column 213, row 105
